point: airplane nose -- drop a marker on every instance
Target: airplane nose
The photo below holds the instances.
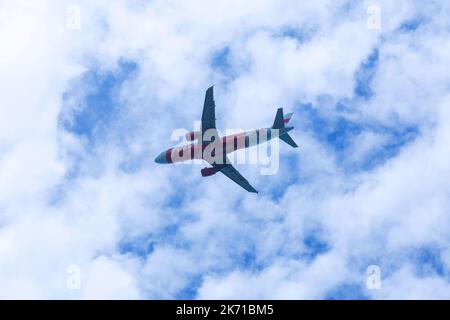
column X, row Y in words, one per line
column 161, row 158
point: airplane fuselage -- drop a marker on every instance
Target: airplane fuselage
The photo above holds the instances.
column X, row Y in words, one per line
column 225, row 145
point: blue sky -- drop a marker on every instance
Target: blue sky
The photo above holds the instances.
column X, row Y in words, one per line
column 366, row 187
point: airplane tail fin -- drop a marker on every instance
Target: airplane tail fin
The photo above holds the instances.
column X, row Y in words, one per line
column 287, row 117
column 280, row 122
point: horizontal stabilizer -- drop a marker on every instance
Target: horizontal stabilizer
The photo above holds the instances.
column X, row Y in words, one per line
column 287, row 138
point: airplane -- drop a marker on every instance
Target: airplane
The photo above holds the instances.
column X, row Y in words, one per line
column 210, row 147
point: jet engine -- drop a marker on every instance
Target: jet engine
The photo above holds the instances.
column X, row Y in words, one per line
column 206, row 172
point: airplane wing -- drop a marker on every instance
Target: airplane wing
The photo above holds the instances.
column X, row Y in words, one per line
column 209, row 111
column 234, row 175
column 209, row 122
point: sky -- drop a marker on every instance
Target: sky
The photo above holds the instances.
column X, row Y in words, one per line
column 92, row 91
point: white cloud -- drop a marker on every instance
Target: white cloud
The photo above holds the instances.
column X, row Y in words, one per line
column 405, row 285
column 108, row 280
